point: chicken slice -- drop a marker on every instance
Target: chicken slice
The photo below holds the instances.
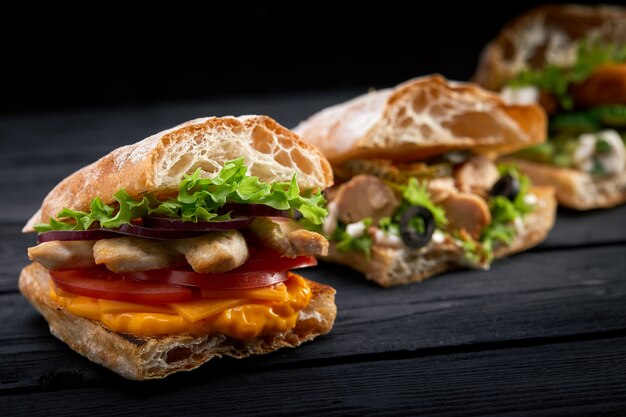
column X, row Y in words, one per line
column 59, row 255
column 128, row 254
column 441, row 188
column 298, row 242
column 468, row 212
column 213, row 252
column 477, row 175
column 364, row 196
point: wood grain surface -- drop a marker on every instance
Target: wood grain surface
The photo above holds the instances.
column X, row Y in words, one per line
column 541, row 333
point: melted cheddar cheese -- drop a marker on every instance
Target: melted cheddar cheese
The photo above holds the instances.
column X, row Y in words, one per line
column 244, row 316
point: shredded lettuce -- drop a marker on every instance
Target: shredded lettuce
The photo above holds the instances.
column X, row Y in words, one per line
column 415, row 193
column 389, row 225
column 504, row 212
column 347, row 243
column 198, row 199
column 556, row 80
column 501, row 230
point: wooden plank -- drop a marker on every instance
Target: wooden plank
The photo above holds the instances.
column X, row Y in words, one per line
column 531, row 296
column 575, row 228
column 583, row 378
column 13, row 256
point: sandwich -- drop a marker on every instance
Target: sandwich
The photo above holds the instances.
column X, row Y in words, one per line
column 572, row 61
column 418, row 193
column 166, row 253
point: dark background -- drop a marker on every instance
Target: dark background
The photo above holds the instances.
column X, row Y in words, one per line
column 113, row 57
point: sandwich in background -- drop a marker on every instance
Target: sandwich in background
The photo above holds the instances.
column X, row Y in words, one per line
column 420, row 194
column 177, row 249
column 572, row 60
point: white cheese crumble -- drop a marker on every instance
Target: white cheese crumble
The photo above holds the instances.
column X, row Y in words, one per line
column 438, row 237
column 388, row 239
column 530, row 199
column 356, row 229
column 610, row 162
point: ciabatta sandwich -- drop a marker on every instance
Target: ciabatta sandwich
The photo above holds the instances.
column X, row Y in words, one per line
column 420, row 194
column 177, row 249
column 572, row 60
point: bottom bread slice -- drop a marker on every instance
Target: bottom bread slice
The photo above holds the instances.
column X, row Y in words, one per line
column 389, row 266
column 576, row 189
column 141, row 357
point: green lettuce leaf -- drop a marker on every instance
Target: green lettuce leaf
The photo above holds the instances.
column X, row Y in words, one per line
column 198, row 199
column 346, row 243
column 504, row 212
column 417, row 194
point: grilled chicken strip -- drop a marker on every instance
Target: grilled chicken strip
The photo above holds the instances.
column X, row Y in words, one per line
column 213, row 252
column 128, row 254
column 59, row 255
column 292, row 243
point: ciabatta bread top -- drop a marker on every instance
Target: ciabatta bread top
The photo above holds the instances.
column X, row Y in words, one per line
column 420, row 118
column 157, row 163
column 547, row 34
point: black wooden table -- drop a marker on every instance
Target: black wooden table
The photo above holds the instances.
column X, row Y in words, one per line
column 542, row 333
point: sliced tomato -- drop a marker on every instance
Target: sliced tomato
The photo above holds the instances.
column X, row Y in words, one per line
column 171, row 286
column 224, row 281
column 102, row 283
column 265, row 260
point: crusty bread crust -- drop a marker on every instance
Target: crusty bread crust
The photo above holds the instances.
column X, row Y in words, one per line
column 389, row 266
column 421, row 118
column 576, row 189
column 157, row 164
column 547, row 34
column 140, row 357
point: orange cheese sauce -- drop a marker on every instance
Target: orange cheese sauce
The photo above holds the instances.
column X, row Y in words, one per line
column 241, row 317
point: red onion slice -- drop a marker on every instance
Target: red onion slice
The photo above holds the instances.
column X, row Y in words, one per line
column 156, row 233
column 258, row 210
column 160, row 228
column 94, row 234
column 159, row 222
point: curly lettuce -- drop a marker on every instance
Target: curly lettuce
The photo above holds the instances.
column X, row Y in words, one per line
column 198, row 199
column 415, row 193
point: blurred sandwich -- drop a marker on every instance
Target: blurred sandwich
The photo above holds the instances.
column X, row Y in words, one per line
column 419, row 193
column 571, row 60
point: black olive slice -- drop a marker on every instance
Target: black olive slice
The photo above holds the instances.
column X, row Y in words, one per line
column 507, row 186
column 411, row 237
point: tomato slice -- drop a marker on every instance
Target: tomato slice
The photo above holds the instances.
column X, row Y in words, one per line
column 264, row 260
column 172, row 286
column 102, row 283
column 224, row 281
